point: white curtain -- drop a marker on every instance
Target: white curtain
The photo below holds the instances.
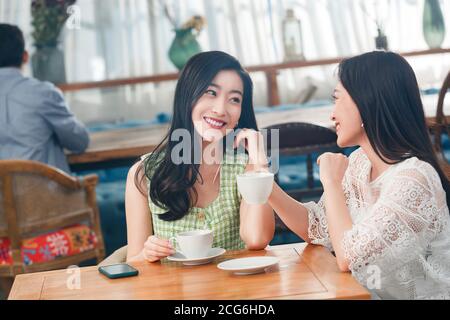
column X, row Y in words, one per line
column 18, row 13
column 128, row 38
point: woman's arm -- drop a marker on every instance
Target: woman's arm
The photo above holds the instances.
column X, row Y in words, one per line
column 141, row 244
column 257, row 225
column 295, row 215
column 339, row 220
column 291, row 212
column 137, row 216
column 332, row 170
column 258, row 221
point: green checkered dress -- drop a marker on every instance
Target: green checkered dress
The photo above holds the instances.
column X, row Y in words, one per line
column 221, row 216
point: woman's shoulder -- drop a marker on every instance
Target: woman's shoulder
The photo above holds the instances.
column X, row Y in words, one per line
column 418, row 186
column 358, row 164
column 421, row 171
column 358, row 156
column 416, row 182
column 152, row 156
column 150, row 162
column 410, row 168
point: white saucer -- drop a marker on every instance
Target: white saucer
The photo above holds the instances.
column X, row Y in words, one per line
column 244, row 266
column 213, row 253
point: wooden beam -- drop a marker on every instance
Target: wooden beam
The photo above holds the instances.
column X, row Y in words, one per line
column 271, row 71
column 272, row 87
column 260, row 68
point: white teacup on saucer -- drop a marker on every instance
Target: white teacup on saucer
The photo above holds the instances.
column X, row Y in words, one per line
column 193, row 244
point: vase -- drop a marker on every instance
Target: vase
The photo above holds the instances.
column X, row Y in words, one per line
column 48, row 64
column 183, row 47
column 381, row 41
column 433, row 24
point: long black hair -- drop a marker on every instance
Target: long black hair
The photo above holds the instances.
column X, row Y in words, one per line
column 169, row 182
column 384, row 87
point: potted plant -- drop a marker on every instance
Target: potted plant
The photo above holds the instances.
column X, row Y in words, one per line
column 48, row 19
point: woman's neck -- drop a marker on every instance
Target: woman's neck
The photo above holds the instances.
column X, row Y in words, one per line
column 378, row 166
column 212, row 152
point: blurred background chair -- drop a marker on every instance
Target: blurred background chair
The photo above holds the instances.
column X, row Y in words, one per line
column 441, row 129
column 308, row 140
column 303, row 142
column 48, row 219
column 447, row 171
column 110, row 193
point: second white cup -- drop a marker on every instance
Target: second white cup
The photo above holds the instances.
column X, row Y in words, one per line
column 255, row 186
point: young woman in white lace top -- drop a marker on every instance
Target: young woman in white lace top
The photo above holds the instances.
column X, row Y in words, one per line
column 384, row 211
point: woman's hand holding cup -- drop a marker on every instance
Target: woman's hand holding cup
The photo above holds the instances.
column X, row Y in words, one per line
column 156, row 249
column 255, row 185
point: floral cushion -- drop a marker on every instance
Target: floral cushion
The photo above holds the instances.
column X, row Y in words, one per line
column 50, row 246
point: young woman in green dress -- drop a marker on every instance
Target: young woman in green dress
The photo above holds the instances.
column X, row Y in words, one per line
column 187, row 190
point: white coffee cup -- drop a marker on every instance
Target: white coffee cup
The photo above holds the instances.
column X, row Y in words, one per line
column 255, row 186
column 193, row 244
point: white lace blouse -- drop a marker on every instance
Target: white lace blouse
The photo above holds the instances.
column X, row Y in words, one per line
column 399, row 245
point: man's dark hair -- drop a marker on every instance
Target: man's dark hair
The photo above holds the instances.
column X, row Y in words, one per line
column 12, row 46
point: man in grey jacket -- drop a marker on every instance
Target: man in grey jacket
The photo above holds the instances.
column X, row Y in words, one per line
column 35, row 122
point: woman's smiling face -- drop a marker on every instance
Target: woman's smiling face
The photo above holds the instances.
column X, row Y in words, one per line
column 347, row 118
column 219, row 108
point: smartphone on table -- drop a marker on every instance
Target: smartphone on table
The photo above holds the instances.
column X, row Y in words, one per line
column 120, row 270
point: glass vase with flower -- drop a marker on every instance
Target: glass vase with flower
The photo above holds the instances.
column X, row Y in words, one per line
column 48, row 19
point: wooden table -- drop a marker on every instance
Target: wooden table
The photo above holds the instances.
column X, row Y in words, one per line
column 115, row 148
column 124, row 146
column 304, row 272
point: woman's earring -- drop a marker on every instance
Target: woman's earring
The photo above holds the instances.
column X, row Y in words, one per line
column 362, row 125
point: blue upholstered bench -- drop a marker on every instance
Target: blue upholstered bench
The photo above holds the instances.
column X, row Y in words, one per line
column 111, row 203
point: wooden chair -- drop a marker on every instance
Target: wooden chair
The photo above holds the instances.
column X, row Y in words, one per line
column 36, row 199
column 298, row 138
column 446, row 168
column 441, row 126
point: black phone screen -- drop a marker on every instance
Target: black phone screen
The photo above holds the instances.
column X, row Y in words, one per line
column 118, row 270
